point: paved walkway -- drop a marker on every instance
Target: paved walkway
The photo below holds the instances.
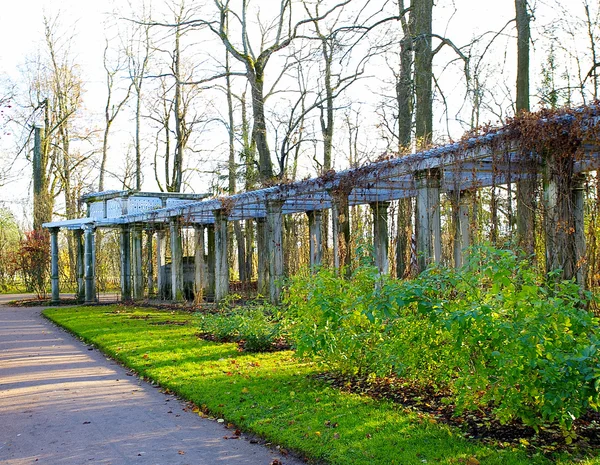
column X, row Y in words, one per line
column 62, row 403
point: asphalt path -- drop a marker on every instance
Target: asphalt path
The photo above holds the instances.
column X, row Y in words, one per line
column 62, row 402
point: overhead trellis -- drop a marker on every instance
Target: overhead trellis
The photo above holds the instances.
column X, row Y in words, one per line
column 492, row 157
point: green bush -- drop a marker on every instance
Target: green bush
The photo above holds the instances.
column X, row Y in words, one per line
column 255, row 327
column 494, row 334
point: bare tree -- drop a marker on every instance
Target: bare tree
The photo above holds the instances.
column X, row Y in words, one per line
column 138, row 59
column 112, row 108
column 176, row 112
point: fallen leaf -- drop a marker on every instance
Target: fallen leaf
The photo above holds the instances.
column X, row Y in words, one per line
column 181, row 452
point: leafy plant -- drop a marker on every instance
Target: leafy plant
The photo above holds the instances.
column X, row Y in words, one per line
column 34, row 261
column 256, row 327
column 495, row 334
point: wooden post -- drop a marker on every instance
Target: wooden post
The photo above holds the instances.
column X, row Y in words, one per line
column 263, row 256
column 380, row 236
column 275, row 248
column 78, row 235
column 125, row 263
column 161, row 278
column 221, row 265
column 138, row 276
column 428, row 224
column 149, row 262
column 199, row 264
column 90, row 264
column 177, row 294
column 462, row 232
column 54, row 265
column 315, row 238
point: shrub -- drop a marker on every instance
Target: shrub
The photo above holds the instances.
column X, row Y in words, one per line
column 256, row 327
column 494, row 334
column 34, row 261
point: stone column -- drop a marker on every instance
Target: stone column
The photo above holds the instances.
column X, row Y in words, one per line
column 54, row 265
column 90, row 264
column 149, row 262
column 136, row 263
column 211, row 260
column 462, row 226
column 340, row 214
column 221, row 265
column 177, row 294
column 315, row 238
column 262, row 250
column 578, row 192
column 428, row 225
column 80, row 271
column 199, row 264
column 275, row 248
column 380, row 236
column 161, row 278
column 125, row 263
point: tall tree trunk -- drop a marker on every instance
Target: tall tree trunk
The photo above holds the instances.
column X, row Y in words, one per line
column 259, row 131
column 179, row 119
column 232, row 174
column 404, row 100
column 423, row 15
column 526, row 201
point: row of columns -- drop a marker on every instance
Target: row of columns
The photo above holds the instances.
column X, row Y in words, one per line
column 211, row 274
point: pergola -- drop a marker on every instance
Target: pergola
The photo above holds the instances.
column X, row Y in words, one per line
column 457, row 169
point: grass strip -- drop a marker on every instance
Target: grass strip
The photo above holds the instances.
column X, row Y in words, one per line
column 274, row 396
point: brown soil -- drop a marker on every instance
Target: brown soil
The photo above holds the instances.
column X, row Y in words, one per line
column 432, row 405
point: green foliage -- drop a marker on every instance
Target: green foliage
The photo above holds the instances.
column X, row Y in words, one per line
column 275, row 396
column 256, row 326
column 34, row 261
column 10, row 236
column 494, row 334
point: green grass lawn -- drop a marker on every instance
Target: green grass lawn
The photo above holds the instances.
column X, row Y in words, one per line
column 273, row 395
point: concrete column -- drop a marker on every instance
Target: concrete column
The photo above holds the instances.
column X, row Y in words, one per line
column 221, row 265
column 199, row 264
column 80, row 267
column 125, row 263
column 262, row 250
column 340, row 213
column 136, row 263
column 380, row 236
column 90, row 264
column 149, row 262
column 161, row 278
column 315, row 237
column 578, row 191
column 428, row 225
column 177, row 294
column 335, row 236
column 211, row 260
column 275, row 248
column 54, row 265
column 462, row 226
